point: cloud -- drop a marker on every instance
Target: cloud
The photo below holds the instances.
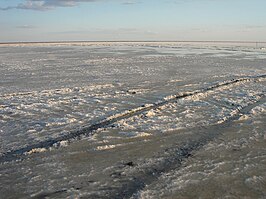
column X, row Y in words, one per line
column 129, row 2
column 26, row 27
column 6, row 8
column 43, row 5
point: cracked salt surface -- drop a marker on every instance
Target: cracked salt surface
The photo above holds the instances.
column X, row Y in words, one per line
column 48, row 91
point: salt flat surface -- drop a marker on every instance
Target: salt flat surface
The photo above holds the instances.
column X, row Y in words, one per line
column 48, row 91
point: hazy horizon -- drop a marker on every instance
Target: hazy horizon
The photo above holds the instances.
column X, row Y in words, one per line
column 123, row 20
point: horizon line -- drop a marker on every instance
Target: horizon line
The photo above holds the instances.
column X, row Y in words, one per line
column 130, row 41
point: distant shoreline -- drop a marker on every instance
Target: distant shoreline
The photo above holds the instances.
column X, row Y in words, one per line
column 173, row 41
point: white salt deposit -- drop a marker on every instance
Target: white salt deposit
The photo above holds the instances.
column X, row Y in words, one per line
column 36, row 150
column 52, row 90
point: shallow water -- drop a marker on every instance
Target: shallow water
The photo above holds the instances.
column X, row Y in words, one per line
column 179, row 118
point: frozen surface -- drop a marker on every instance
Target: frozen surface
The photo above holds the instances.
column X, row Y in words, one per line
column 48, row 91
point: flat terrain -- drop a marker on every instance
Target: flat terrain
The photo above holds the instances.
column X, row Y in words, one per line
column 132, row 120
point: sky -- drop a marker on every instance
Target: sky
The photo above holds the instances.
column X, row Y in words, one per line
column 132, row 20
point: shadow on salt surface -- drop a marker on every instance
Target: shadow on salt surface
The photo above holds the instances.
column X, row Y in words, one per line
column 173, row 121
column 233, row 165
column 174, row 116
column 103, row 172
column 259, row 110
column 199, row 110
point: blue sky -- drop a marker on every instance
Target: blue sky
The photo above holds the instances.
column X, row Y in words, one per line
column 57, row 20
